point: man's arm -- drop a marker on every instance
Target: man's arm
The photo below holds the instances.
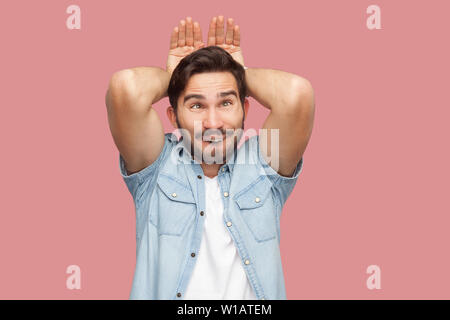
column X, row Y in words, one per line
column 290, row 99
column 135, row 126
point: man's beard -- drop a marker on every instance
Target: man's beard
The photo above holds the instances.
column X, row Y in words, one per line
column 229, row 152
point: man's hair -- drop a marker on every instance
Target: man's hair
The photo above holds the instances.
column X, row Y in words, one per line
column 207, row 59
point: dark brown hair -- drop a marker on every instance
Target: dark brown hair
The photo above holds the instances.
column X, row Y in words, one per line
column 207, row 59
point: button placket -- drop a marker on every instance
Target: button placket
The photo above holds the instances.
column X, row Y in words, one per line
column 198, row 228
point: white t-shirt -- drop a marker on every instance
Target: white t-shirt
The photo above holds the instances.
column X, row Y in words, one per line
column 218, row 272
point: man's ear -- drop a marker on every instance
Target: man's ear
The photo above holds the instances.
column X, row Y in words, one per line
column 246, row 106
column 172, row 116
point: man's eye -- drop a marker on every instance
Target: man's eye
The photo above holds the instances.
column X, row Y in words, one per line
column 228, row 101
column 192, row 107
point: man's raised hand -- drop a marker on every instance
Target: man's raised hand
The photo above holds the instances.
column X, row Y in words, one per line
column 185, row 39
column 230, row 41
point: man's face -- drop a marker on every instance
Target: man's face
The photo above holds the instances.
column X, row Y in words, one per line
column 208, row 107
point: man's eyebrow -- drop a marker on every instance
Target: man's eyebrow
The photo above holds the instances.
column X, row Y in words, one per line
column 202, row 97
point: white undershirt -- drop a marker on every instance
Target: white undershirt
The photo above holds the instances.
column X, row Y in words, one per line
column 218, row 274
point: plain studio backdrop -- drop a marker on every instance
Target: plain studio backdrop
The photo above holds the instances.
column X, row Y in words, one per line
column 373, row 190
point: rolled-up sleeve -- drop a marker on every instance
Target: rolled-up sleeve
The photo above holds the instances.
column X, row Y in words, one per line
column 282, row 185
column 139, row 182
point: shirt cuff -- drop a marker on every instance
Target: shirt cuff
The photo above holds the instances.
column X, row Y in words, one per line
column 270, row 171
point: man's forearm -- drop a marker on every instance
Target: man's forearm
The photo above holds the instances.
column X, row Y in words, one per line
column 274, row 89
column 152, row 83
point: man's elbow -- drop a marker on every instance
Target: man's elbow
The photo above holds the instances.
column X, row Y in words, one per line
column 120, row 89
column 302, row 94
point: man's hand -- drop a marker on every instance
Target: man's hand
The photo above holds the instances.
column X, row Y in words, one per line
column 185, row 39
column 229, row 42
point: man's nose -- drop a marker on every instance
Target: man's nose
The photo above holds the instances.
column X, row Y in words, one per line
column 213, row 119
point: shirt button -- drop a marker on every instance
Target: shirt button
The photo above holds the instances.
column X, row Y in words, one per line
column 178, row 294
column 174, row 194
column 193, row 254
column 199, row 176
column 202, row 213
column 223, row 169
column 257, row 199
column 229, row 224
column 225, row 194
column 247, row 261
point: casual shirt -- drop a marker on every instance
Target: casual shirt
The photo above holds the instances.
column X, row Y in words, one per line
column 170, row 204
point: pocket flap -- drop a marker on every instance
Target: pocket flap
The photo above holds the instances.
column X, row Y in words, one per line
column 175, row 190
column 255, row 194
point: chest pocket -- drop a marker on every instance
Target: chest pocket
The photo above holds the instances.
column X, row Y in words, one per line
column 176, row 207
column 258, row 210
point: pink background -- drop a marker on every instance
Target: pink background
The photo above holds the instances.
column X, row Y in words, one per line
column 374, row 188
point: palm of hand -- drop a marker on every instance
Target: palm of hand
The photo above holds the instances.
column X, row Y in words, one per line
column 181, row 51
column 187, row 38
column 235, row 52
column 176, row 55
column 230, row 41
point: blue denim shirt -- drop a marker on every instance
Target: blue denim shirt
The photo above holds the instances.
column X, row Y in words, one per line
column 169, row 198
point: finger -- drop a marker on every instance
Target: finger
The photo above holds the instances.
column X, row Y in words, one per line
column 174, row 38
column 182, row 34
column 212, row 32
column 189, row 32
column 197, row 35
column 230, row 31
column 237, row 36
column 219, row 31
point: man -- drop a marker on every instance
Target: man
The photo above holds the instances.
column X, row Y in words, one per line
column 207, row 212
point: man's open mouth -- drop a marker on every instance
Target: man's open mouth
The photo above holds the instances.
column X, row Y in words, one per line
column 213, row 139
